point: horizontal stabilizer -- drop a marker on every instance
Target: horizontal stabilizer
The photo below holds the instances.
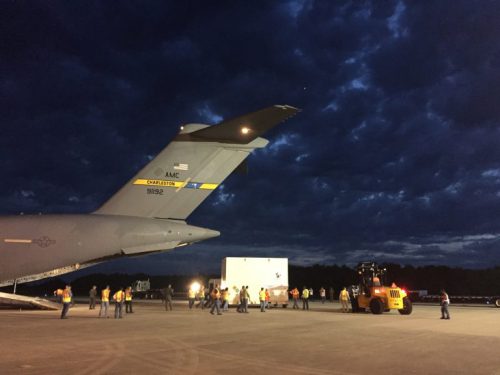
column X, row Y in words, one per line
column 244, row 129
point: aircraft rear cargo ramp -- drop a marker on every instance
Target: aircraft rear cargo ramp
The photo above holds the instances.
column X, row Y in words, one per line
column 27, row 302
column 256, row 273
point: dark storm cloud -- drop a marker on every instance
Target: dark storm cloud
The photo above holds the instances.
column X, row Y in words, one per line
column 395, row 155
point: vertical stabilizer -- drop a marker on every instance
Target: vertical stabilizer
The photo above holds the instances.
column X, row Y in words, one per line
column 193, row 165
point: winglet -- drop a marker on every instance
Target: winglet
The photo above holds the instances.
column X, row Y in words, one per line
column 244, row 129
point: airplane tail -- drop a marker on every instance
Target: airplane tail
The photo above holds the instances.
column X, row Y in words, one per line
column 193, row 165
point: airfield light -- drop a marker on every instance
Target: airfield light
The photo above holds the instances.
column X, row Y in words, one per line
column 245, row 130
column 195, row 286
column 182, row 127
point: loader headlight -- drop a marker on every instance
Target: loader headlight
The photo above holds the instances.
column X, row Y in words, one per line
column 195, row 286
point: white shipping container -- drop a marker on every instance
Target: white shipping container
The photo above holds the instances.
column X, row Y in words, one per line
column 268, row 273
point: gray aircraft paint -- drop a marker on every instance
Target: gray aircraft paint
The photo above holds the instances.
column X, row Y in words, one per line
column 147, row 215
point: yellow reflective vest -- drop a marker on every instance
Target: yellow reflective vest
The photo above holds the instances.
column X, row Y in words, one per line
column 128, row 295
column 262, row 295
column 66, row 296
column 305, row 293
column 118, row 296
column 105, row 295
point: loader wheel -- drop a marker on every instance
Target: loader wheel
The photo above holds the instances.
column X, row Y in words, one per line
column 497, row 303
column 376, row 306
column 407, row 307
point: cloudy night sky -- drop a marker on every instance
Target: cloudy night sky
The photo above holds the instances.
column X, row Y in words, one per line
column 395, row 155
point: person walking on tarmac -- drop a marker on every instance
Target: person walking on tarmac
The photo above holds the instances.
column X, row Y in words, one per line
column 119, row 298
column 66, row 301
column 445, row 302
column 225, row 299
column 344, row 298
column 268, row 298
column 305, row 299
column 104, row 302
column 322, row 294
column 216, row 300
column 168, row 294
column 92, row 297
column 246, row 299
column 262, row 300
column 128, row 300
column 241, row 307
column 295, row 296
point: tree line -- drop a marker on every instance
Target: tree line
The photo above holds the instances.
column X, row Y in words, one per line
column 457, row 281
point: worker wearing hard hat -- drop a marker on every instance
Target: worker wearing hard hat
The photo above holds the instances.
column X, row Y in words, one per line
column 344, row 299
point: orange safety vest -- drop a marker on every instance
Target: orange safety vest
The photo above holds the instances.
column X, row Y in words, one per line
column 58, row 292
column 268, row 296
column 118, row 296
column 66, row 296
column 295, row 293
column 105, row 295
column 128, row 295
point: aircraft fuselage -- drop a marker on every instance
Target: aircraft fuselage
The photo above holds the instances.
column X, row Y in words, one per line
column 35, row 244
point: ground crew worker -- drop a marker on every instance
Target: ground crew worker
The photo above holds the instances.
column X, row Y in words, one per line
column 268, row 298
column 262, row 300
column 241, row 307
column 344, row 298
column 92, row 297
column 191, row 297
column 445, row 302
column 128, row 300
column 168, row 294
column 66, row 300
column 201, row 297
column 246, row 299
column 322, row 294
column 119, row 297
column 104, row 302
column 216, row 300
column 225, row 299
column 295, row 296
column 305, row 299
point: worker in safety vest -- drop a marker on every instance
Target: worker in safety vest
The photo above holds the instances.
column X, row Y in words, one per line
column 295, row 296
column 66, row 301
column 262, row 300
column 225, row 299
column 191, row 297
column 305, row 299
column 216, row 299
column 268, row 298
column 344, row 299
column 128, row 300
column 104, row 302
column 119, row 298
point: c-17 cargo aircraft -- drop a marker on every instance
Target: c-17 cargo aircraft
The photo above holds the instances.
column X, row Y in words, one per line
column 148, row 214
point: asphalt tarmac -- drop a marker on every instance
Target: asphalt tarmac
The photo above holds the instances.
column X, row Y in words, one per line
column 320, row 341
